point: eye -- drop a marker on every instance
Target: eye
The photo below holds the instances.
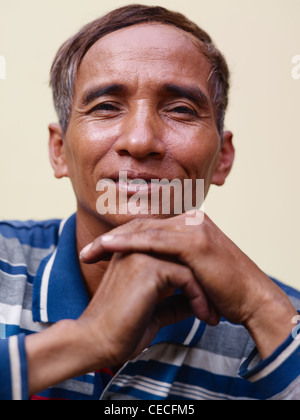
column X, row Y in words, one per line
column 181, row 112
column 105, row 106
column 184, row 110
column 106, row 111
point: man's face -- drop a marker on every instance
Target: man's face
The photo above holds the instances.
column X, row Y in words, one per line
column 141, row 105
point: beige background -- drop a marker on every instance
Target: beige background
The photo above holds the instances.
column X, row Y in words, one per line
column 259, row 207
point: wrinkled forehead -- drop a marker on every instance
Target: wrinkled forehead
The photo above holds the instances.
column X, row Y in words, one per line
column 152, row 48
column 143, row 35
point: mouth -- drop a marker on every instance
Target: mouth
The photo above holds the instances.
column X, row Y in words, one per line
column 135, row 192
column 131, row 182
column 133, row 176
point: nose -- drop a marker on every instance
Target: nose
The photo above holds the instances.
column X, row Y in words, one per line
column 141, row 137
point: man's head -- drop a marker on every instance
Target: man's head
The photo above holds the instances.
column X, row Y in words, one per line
column 72, row 52
column 147, row 98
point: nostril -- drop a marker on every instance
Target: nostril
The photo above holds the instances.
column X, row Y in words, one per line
column 140, row 150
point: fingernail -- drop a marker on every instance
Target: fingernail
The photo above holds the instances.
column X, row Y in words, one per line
column 107, row 238
column 86, row 250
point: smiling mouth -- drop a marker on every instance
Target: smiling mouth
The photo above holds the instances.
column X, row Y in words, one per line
column 131, row 182
column 136, row 193
column 140, row 185
column 134, row 177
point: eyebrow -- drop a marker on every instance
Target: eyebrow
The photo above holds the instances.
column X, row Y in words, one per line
column 192, row 93
column 98, row 91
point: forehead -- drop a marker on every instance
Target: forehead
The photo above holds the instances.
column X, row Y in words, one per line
column 153, row 52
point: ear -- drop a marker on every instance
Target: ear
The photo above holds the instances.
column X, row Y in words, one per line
column 225, row 160
column 57, row 151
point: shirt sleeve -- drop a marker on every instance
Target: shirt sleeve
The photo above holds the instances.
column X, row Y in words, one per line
column 13, row 368
column 278, row 376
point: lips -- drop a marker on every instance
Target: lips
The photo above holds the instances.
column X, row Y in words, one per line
column 131, row 182
column 135, row 192
column 133, row 176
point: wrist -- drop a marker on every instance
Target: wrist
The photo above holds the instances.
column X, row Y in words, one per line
column 59, row 353
column 271, row 324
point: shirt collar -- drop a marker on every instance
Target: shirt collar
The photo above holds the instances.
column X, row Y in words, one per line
column 59, row 291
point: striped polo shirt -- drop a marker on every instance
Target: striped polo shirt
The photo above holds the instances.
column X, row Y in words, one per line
column 41, row 284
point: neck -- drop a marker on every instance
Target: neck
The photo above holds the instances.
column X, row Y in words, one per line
column 88, row 228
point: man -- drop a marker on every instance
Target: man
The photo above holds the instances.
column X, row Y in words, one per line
column 142, row 91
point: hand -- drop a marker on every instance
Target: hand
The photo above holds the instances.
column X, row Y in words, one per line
column 236, row 287
column 122, row 319
column 127, row 312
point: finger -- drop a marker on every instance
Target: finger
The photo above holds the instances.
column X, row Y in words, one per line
column 178, row 276
column 150, row 241
column 199, row 303
column 176, row 308
column 161, row 242
column 171, row 310
column 96, row 250
column 159, row 277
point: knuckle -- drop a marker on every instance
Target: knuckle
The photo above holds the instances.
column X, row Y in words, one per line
column 154, row 233
column 138, row 259
column 202, row 240
column 135, row 224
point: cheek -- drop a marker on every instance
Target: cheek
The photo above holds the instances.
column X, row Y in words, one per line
column 197, row 155
column 85, row 151
column 87, row 147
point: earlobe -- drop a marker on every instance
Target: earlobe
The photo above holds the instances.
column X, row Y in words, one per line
column 225, row 160
column 57, row 151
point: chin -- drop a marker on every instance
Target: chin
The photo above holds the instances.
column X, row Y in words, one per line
column 116, row 220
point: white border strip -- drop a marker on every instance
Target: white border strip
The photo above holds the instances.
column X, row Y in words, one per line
column 44, row 288
column 15, row 368
column 46, row 278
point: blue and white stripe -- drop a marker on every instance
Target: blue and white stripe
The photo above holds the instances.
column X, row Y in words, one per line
column 40, row 283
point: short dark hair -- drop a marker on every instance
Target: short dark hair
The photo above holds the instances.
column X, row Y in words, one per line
column 71, row 53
